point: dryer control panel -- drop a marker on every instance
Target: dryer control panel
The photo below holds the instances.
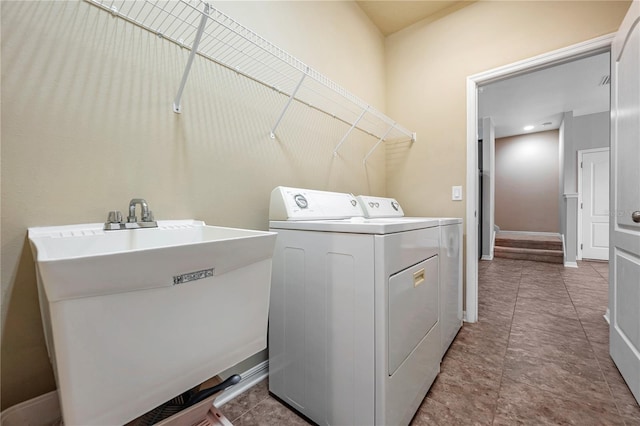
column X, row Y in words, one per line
column 308, row 204
column 380, row 206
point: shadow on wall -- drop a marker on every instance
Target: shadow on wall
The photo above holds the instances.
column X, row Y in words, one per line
column 91, row 126
column 23, row 349
column 397, row 153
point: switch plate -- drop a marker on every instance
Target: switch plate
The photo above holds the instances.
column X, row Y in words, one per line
column 456, row 193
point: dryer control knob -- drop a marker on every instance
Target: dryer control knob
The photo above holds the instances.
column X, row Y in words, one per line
column 301, row 201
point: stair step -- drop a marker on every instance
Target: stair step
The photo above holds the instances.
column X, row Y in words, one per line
column 540, row 244
column 537, row 255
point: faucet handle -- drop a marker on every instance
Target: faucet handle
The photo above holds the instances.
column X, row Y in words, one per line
column 114, row 217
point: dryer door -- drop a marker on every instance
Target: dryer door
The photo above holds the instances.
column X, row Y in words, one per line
column 413, row 309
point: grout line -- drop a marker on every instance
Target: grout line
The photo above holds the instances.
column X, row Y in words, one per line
column 604, row 376
column 513, row 313
column 564, row 279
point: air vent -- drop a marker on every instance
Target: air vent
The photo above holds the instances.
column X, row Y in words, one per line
column 547, row 123
column 605, row 80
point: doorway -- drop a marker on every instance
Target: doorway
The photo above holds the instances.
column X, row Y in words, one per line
column 581, row 50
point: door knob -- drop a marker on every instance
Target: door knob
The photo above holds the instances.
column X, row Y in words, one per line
column 635, row 216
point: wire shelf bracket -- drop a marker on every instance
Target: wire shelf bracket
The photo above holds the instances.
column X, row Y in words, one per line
column 217, row 37
column 203, row 21
column 286, row 107
column 364, row 161
column 353, row 126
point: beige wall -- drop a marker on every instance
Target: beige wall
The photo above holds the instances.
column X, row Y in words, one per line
column 527, row 176
column 427, row 67
column 87, row 125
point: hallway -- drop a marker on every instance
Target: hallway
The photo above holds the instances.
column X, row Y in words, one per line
column 538, row 356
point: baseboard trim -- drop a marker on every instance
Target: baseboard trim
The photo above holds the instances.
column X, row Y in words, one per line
column 250, row 378
column 570, row 264
column 544, row 234
column 486, row 257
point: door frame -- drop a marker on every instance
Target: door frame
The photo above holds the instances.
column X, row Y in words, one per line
column 588, row 47
column 580, row 195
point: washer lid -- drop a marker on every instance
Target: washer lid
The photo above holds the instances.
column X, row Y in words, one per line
column 356, row 225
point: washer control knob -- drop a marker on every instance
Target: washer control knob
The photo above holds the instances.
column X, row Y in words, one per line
column 300, row 201
column 370, row 203
column 394, row 205
column 353, row 203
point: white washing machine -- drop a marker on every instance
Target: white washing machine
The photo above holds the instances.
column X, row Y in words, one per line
column 450, row 261
column 354, row 335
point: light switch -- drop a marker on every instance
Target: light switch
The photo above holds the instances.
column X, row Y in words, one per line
column 456, row 193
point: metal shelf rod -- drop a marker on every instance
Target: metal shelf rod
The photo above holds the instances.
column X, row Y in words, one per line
column 364, row 161
column 353, row 126
column 286, row 107
column 203, row 21
column 227, row 43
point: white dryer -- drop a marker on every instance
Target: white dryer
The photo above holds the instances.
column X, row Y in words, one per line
column 450, row 261
column 354, row 336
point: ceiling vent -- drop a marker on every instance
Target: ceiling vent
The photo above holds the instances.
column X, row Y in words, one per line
column 605, row 80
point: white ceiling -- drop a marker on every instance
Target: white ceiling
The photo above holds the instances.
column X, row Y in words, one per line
column 542, row 96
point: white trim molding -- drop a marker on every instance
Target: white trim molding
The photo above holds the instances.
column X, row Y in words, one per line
column 588, row 47
column 493, row 241
column 541, row 234
column 565, row 263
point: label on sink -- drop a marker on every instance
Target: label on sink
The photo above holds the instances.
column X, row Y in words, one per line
column 193, row 276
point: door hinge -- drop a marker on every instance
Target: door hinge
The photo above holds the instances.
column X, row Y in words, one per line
column 581, row 247
column 581, row 164
column 580, row 205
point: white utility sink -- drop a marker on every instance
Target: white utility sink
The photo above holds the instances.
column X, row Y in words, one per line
column 135, row 317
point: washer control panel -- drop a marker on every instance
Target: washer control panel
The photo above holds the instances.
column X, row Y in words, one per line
column 380, row 206
column 308, row 204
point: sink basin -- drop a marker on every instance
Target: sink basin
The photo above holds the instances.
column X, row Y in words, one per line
column 135, row 317
column 129, row 260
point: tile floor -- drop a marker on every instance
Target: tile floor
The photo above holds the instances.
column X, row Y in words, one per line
column 538, row 356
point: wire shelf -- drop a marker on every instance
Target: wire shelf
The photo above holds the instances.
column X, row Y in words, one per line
column 226, row 42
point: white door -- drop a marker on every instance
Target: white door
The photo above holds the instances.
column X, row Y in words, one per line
column 594, row 192
column 624, row 260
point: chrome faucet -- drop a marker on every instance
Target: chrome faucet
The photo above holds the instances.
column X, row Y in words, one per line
column 147, row 215
column 115, row 222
